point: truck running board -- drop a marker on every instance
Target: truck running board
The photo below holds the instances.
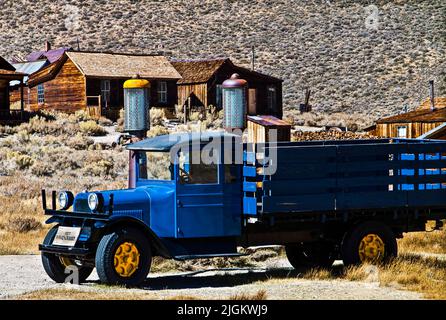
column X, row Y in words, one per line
column 205, row 256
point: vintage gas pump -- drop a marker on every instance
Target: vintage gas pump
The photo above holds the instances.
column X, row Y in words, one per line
column 234, row 103
column 136, row 119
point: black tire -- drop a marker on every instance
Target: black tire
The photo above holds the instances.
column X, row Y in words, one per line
column 352, row 240
column 309, row 255
column 105, row 257
column 55, row 266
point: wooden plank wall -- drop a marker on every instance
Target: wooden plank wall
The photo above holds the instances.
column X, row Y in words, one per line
column 66, row 92
column 185, row 90
column 414, row 129
column 14, row 96
column 258, row 133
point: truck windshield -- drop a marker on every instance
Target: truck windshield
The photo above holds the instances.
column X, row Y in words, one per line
column 155, row 166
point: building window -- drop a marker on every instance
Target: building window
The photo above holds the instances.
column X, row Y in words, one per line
column 272, row 97
column 401, row 131
column 40, row 93
column 105, row 92
column 162, row 92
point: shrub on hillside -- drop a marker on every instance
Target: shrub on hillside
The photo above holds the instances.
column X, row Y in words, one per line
column 23, row 225
column 79, row 142
column 157, row 115
column 91, row 128
column 23, row 161
column 101, row 168
column 42, row 169
column 105, row 122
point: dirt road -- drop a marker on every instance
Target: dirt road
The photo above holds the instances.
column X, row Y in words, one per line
column 24, row 274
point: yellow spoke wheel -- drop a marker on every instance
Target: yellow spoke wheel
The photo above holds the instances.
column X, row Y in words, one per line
column 126, row 259
column 371, row 249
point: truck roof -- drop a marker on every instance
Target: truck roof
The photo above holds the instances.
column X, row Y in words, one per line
column 166, row 142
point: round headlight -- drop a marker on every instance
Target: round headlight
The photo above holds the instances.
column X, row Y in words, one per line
column 65, row 199
column 93, row 201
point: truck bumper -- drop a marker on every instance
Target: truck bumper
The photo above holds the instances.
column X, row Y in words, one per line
column 66, row 251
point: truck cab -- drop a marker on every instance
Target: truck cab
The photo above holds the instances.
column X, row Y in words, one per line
column 187, row 203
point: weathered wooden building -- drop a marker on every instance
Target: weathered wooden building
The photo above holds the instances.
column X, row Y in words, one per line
column 94, row 81
column 7, row 74
column 15, row 87
column 414, row 123
column 202, row 79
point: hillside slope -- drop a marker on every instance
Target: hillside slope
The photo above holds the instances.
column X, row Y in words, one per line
column 351, row 61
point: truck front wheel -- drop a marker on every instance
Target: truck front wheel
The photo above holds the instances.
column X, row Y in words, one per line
column 308, row 255
column 123, row 257
column 369, row 242
column 59, row 268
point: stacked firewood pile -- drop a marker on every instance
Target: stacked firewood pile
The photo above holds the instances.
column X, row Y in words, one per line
column 329, row 135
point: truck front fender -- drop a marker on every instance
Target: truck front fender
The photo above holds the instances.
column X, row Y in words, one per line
column 119, row 222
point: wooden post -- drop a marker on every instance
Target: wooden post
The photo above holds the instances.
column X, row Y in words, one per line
column 100, row 106
column 22, row 108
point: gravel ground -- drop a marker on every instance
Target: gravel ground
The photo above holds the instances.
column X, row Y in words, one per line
column 24, row 274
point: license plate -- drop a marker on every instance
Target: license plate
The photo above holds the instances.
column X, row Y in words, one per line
column 66, row 236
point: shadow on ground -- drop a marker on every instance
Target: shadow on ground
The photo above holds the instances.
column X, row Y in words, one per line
column 230, row 277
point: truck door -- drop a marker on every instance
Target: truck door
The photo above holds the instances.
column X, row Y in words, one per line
column 207, row 201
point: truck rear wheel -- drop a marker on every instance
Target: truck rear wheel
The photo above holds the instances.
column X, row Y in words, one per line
column 123, row 257
column 308, row 255
column 55, row 266
column 369, row 242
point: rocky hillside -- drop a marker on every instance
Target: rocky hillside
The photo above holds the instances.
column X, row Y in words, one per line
column 355, row 57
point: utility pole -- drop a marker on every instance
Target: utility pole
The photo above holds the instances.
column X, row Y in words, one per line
column 253, row 57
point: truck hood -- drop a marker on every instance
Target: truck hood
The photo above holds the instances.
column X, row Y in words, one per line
column 136, row 202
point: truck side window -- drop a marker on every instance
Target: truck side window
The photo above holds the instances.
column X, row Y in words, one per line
column 142, row 163
column 154, row 166
column 196, row 173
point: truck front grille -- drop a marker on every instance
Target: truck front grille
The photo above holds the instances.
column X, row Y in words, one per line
column 81, row 205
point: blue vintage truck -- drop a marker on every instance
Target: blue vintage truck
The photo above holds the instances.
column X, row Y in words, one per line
column 322, row 200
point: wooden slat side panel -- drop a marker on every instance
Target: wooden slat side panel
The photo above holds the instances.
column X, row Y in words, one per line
column 344, row 177
column 298, row 203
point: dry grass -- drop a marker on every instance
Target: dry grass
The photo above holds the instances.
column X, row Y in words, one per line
column 426, row 275
column 70, row 294
column 13, row 243
column 106, row 294
column 259, row 295
column 430, row 242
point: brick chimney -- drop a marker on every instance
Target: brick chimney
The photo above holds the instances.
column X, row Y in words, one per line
column 47, row 46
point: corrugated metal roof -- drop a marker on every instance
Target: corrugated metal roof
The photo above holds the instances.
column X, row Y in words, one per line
column 28, row 68
column 52, row 55
column 269, row 121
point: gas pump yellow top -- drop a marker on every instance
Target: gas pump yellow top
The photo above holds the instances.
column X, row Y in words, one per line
column 136, row 84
